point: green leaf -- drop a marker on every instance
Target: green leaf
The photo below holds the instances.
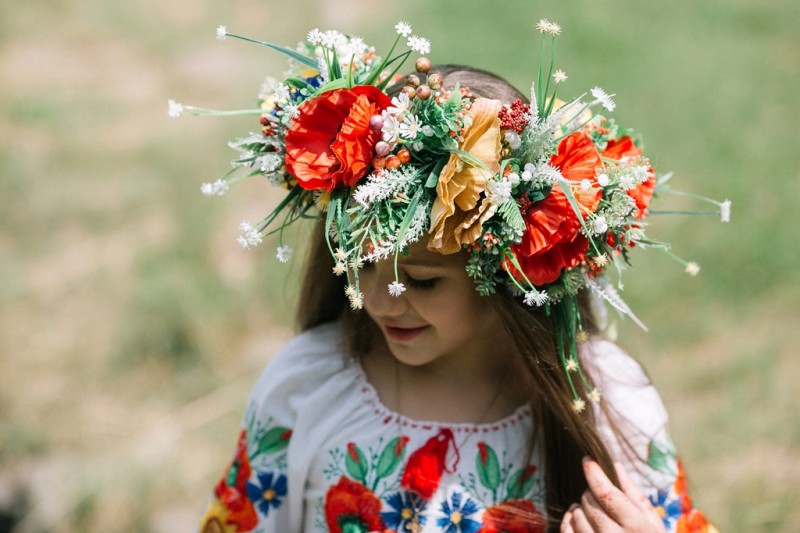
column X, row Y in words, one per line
column 433, row 177
column 288, row 52
column 510, row 212
column 520, row 482
column 658, row 458
column 488, row 466
column 274, row 440
column 410, row 212
column 391, row 456
column 356, row 463
column 298, row 83
column 330, row 86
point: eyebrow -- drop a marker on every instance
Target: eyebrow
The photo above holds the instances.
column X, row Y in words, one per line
column 432, row 262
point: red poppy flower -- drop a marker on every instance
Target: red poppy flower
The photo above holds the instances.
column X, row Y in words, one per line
column 349, row 503
column 513, row 516
column 552, row 240
column 231, row 509
column 642, row 193
column 330, row 144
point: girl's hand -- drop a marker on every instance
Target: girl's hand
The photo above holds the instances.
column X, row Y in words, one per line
column 605, row 508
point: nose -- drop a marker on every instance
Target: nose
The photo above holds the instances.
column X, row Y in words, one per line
column 375, row 286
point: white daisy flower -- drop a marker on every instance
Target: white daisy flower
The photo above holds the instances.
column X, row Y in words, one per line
column 410, row 127
column 391, row 129
column 400, row 105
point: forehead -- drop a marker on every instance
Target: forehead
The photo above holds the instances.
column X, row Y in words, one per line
column 418, row 255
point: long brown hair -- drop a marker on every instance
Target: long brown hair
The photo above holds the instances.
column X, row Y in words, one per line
column 565, row 436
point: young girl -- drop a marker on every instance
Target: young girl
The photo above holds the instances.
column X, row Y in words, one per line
column 411, row 401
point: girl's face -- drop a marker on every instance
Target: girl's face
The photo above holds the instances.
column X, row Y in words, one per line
column 439, row 318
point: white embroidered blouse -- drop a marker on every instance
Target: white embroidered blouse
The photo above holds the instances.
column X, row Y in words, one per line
column 319, row 452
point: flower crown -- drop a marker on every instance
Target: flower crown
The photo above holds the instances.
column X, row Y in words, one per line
column 546, row 197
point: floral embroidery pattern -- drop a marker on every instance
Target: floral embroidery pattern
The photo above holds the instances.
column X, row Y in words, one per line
column 406, row 509
column 350, row 507
column 238, row 498
column 674, row 504
column 458, row 515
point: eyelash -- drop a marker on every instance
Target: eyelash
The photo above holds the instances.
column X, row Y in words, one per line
column 421, row 284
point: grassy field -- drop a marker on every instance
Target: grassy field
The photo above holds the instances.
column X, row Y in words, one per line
column 132, row 326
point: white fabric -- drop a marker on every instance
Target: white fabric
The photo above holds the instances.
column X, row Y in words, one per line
column 323, row 396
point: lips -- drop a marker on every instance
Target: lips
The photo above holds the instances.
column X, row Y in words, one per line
column 402, row 334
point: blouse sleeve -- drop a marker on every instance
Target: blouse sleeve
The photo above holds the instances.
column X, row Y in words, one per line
column 261, row 489
column 633, row 424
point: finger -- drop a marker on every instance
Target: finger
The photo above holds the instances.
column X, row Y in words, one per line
column 596, row 515
column 566, row 520
column 580, row 524
column 632, row 489
column 613, row 501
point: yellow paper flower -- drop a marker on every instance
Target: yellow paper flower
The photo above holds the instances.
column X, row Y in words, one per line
column 456, row 216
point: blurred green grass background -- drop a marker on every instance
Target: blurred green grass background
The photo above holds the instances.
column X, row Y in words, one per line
column 132, row 327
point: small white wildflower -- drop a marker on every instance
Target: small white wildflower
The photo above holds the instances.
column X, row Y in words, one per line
column 331, row 38
column 410, row 127
column 357, row 301
column 250, row 235
column 725, row 211
column 282, row 92
column 578, row 405
column 513, row 139
column 627, row 182
column 340, row 268
column 419, row 44
column 427, row 131
column 692, row 268
column 218, row 188
column 600, row 225
column 284, row 254
column 572, row 365
column 526, row 175
column 560, row 76
column 291, row 110
column 340, row 254
column 535, row 298
column 543, row 26
column 356, row 263
column 554, row 29
column 174, row 109
column 222, row 32
column 357, row 46
column 499, row 191
column 603, row 180
column 601, row 260
column 594, row 396
column 403, row 28
column 586, row 185
column 314, row 36
column 396, row 288
column 603, row 98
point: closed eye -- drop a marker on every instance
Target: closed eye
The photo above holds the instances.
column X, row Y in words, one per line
column 421, row 284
